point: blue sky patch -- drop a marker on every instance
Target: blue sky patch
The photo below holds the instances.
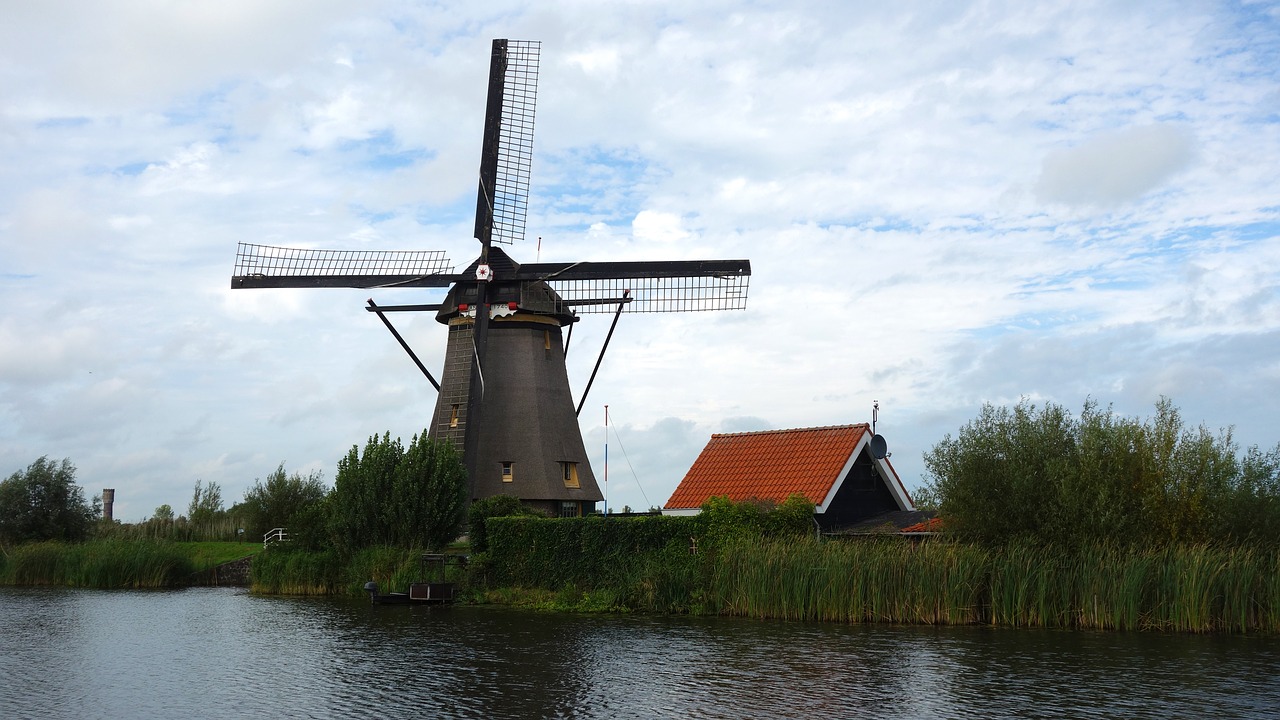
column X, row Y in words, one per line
column 370, row 216
column 382, row 152
column 604, row 185
column 63, row 122
column 132, row 169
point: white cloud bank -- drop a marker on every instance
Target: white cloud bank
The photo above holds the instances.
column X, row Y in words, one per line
column 943, row 205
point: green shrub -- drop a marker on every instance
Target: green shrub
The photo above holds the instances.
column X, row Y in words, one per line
column 43, row 502
column 283, row 500
column 492, row 507
column 1041, row 475
column 389, row 496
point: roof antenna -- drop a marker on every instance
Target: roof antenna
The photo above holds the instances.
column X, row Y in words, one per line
column 879, row 447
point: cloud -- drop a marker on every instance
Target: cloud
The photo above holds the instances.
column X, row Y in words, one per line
column 942, row 206
column 661, row 228
column 1114, row 168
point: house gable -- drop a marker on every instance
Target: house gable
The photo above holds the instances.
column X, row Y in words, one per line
column 865, row 482
column 830, row 466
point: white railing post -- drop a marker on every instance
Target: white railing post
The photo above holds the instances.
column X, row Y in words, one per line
column 274, row 535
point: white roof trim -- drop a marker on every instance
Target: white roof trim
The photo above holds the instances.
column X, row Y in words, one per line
column 681, row 511
column 844, row 473
column 884, row 471
column 889, row 477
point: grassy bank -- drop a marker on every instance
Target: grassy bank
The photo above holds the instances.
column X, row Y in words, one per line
column 205, row 555
column 287, row 571
column 1183, row 588
column 100, row 564
column 115, row 563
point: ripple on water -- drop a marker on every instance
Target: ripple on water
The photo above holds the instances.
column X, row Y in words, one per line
column 211, row 652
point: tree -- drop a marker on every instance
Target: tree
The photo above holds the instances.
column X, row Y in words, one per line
column 360, row 516
column 44, row 503
column 430, row 494
column 164, row 513
column 206, row 503
column 1041, row 474
column 281, row 500
column 389, row 496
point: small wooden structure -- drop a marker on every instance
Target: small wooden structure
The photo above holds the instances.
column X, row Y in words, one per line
column 435, row 591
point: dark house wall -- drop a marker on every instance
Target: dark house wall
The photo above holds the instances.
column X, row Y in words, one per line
column 862, row 495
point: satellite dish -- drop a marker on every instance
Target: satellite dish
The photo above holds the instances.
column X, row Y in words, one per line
column 879, row 448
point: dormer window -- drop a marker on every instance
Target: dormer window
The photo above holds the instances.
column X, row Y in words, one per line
column 569, row 473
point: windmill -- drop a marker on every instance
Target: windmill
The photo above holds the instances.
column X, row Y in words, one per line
column 504, row 397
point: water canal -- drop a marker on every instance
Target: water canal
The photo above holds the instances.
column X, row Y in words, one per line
column 216, row 652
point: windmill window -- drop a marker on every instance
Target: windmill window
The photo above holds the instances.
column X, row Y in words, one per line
column 570, row 508
column 508, row 472
column 546, row 339
column 569, row 473
column 453, row 417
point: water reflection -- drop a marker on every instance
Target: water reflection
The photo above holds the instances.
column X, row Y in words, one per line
column 219, row 652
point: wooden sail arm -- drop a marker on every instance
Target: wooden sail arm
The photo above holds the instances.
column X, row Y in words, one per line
column 368, row 282
column 561, row 272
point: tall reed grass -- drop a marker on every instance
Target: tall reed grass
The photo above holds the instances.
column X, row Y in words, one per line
column 219, row 529
column 97, row 564
column 282, row 570
column 871, row 581
column 1194, row 588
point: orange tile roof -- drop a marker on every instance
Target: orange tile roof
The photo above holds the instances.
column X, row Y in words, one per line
column 933, row 524
column 769, row 465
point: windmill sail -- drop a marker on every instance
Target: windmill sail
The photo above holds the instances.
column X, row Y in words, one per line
column 506, row 156
column 266, row 266
column 672, row 286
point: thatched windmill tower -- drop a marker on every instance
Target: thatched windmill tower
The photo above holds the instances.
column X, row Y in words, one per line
column 504, row 393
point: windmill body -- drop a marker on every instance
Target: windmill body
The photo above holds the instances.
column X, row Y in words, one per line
column 529, row 443
column 505, row 399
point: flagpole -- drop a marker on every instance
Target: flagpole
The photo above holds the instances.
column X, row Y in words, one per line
column 606, row 460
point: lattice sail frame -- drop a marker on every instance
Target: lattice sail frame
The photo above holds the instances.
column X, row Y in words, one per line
column 515, row 149
column 654, row 294
column 257, row 264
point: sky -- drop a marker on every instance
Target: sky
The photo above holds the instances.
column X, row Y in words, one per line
column 944, row 205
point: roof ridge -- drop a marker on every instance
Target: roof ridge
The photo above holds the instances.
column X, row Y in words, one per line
column 794, row 430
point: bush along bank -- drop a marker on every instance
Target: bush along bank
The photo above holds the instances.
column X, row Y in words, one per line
column 708, row 565
column 743, row 559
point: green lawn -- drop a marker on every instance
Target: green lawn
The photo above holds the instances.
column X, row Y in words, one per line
column 205, row 555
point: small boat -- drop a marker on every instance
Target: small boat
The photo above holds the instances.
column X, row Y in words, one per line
column 436, row 592
column 395, row 598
